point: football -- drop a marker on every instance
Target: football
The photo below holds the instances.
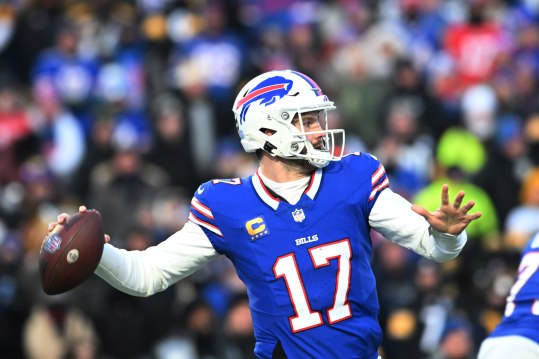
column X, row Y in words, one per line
column 71, row 252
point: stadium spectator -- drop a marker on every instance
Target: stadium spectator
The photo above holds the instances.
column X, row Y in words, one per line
column 137, row 41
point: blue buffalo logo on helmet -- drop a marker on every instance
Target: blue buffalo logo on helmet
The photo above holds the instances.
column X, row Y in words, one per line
column 267, row 92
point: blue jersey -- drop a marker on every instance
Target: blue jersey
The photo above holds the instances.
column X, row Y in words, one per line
column 522, row 310
column 306, row 266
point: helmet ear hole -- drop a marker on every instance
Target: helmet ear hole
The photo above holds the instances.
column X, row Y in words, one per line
column 267, row 131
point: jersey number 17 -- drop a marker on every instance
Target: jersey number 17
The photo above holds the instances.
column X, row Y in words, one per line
column 287, row 268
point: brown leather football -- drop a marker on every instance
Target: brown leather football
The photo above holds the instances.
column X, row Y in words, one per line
column 71, row 252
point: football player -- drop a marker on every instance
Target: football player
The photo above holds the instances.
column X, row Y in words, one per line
column 517, row 335
column 297, row 230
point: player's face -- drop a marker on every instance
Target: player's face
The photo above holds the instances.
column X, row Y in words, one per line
column 311, row 123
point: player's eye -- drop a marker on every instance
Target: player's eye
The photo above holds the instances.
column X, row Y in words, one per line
column 310, row 123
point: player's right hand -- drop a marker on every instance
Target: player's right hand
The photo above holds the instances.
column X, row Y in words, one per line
column 63, row 217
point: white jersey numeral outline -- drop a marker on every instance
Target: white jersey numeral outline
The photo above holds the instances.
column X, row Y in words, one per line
column 231, row 181
column 528, row 266
column 287, row 268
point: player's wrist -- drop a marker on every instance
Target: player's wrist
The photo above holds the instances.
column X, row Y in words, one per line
column 448, row 240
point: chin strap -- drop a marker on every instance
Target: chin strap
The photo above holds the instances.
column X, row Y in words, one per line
column 318, row 163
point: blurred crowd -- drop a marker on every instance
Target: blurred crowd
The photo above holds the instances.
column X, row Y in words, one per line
column 125, row 106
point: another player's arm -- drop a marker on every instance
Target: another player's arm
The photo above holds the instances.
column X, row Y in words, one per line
column 436, row 235
column 143, row 273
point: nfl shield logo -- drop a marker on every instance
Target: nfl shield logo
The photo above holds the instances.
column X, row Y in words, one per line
column 52, row 243
column 298, row 215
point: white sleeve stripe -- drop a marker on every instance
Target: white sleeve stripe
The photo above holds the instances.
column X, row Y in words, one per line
column 379, row 173
column 201, row 208
column 378, row 188
column 206, row 225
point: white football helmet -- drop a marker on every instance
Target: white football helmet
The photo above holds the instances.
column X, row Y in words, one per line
column 264, row 110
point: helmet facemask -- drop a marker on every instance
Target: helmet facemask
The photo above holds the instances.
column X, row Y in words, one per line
column 325, row 151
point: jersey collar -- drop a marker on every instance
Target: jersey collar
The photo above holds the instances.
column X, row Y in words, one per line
column 314, row 185
column 271, row 200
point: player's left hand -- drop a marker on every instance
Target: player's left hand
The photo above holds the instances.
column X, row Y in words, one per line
column 450, row 218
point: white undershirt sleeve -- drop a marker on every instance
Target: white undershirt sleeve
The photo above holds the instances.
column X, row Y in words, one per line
column 143, row 273
column 393, row 217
